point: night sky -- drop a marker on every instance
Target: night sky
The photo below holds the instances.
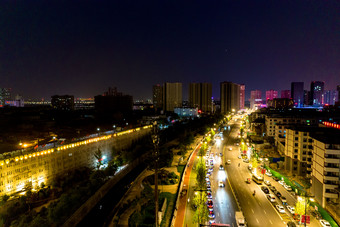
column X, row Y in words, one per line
column 83, row 47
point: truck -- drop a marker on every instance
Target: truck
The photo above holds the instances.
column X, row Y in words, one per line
column 240, row 220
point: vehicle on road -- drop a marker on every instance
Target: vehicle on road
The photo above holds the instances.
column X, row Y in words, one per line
column 291, row 224
column 267, row 182
column 280, row 208
column 324, row 223
column 250, row 167
column 210, row 203
column 246, row 160
column 209, row 196
column 221, row 167
column 278, row 194
column 271, row 198
column 276, row 178
column 240, row 220
column 248, row 181
column 228, row 162
column 272, row 188
column 265, row 189
column 282, row 182
column 283, row 200
column 287, row 187
column 290, row 209
column 220, row 184
column 257, row 179
column 268, row 173
column 211, row 214
column 239, row 157
column 230, row 149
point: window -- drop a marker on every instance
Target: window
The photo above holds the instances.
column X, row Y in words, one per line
column 296, row 138
column 296, row 144
column 296, row 150
column 295, row 157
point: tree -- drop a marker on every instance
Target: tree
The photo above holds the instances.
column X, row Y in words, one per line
column 201, row 174
column 301, row 206
column 5, row 198
column 201, row 214
column 98, row 156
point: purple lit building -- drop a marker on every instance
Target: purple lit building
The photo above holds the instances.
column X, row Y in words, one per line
column 285, row 94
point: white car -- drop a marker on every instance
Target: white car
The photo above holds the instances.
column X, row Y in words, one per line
column 230, row 149
column 287, row 187
column 220, row 184
column 268, row 173
column 228, row 162
column 239, row 157
column 282, row 182
column 280, row 209
column 267, row 182
column 271, row 198
column 324, row 223
column 290, row 209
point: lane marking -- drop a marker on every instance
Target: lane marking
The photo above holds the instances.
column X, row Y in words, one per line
column 252, row 211
column 265, row 211
column 257, row 220
column 270, row 221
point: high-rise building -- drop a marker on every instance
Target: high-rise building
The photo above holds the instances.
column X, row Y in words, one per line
column 330, row 97
column 338, row 89
column 230, row 97
column 200, row 96
column 306, row 96
column 317, row 89
column 271, row 94
column 157, row 96
column 285, row 94
column 297, row 93
column 5, row 95
column 255, row 98
column 172, row 96
column 62, row 102
column 242, row 95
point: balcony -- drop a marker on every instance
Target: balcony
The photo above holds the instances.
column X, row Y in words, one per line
column 335, row 152
column 330, row 169
column 332, row 160
column 331, row 195
column 331, row 178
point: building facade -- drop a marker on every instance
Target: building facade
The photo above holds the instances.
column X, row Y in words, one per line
column 297, row 93
column 157, row 96
column 242, row 95
column 230, row 97
column 5, row 95
column 317, row 91
column 285, row 94
column 172, row 96
column 200, row 95
column 271, row 94
column 63, row 102
column 255, row 98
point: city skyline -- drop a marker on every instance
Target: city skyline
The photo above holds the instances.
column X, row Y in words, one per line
column 81, row 49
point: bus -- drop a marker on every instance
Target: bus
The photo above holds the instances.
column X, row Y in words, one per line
column 257, row 179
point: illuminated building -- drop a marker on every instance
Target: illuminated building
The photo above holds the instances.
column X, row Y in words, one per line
column 285, row 94
column 330, row 97
column 280, row 103
column 186, row 112
column 5, row 95
column 63, row 102
column 271, row 94
column 43, row 164
column 242, row 95
column 172, row 96
column 297, row 93
column 157, row 96
column 317, row 90
column 255, row 98
column 200, row 96
column 84, row 103
column 230, row 97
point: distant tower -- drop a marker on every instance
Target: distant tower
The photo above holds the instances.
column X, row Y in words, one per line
column 172, row 96
column 255, row 98
column 317, row 90
column 271, row 94
column 200, row 96
column 242, row 95
column 230, row 97
column 157, row 96
column 297, row 93
column 285, row 94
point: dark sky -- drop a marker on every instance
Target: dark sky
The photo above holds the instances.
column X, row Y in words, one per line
column 83, row 47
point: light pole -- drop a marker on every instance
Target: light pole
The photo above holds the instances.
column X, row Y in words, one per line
column 155, row 141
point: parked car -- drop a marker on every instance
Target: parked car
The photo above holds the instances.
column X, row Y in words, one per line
column 268, row 173
column 271, row 198
column 276, row 178
column 324, row 223
column 267, row 182
column 211, row 214
column 280, row 208
column 287, row 187
column 290, row 209
column 265, row 189
column 246, row 160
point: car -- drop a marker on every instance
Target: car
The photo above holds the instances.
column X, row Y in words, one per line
column 237, row 144
column 228, row 162
column 211, row 209
column 211, row 214
column 278, row 194
column 276, row 178
column 209, row 196
column 291, row 224
column 265, row 189
column 267, row 182
column 208, row 183
column 207, row 179
column 208, row 188
column 268, row 173
column 221, row 154
column 287, row 187
column 271, row 198
column 246, row 160
column 210, row 203
column 324, row 223
column 221, row 184
column 282, row 182
column 250, row 167
column 283, row 200
column 280, row 208
column 239, row 157
column 290, row 209
column 230, row 149
column 211, row 221
column 221, row 167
